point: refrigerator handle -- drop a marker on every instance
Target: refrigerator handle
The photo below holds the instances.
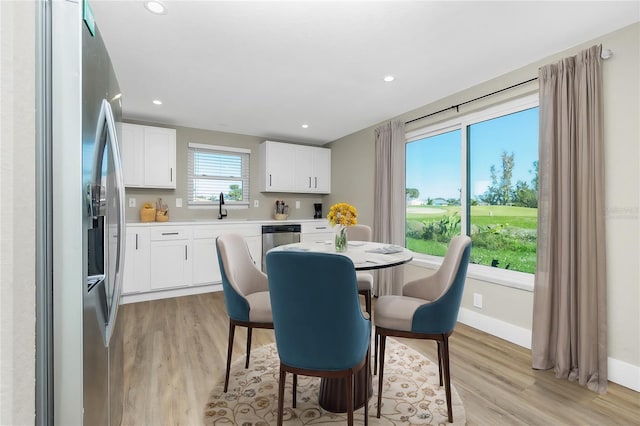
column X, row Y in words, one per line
column 106, row 117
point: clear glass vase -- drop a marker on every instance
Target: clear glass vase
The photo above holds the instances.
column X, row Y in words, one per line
column 341, row 239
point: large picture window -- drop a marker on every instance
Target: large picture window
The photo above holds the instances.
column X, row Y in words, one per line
column 214, row 170
column 477, row 176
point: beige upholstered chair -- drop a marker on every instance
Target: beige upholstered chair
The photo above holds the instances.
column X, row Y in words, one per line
column 246, row 291
column 365, row 279
column 427, row 309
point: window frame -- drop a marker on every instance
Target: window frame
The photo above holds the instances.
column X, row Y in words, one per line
column 505, row 277
column 245, row 156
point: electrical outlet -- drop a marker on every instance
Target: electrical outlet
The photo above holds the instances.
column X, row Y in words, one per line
column 297, row 204
column 256, row 203
column 132, row 202
column 477, row 300
column 178, row 202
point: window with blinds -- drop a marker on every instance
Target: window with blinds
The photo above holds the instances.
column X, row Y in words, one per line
column 217, row 169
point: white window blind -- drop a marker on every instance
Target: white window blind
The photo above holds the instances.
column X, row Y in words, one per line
column 217, row 169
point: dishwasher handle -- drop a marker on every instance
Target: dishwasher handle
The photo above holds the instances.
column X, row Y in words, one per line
column 276, row 229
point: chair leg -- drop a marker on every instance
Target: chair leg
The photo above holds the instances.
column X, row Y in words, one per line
column 350, row 396
column 283, row 377
column 246, row 363
column 366, row 387
column 232, row 331
column 383, row 339
column 440, row 362
column 447, row 375
column 375, row 352
column 295, row 388
column 367, row 302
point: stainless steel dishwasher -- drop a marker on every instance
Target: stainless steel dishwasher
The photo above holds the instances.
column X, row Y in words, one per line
column 278, row 235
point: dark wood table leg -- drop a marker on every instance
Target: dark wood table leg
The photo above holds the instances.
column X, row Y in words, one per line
column 332, row 392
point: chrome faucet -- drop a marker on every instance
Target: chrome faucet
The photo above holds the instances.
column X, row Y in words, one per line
column 220, row 212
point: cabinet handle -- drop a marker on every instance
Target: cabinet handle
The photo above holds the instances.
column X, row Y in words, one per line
column 186, row 256
column 136, row 241
column 309, row 181
column 170, row 233
column 321, row 227
column 171, row 174
column 269, row 179
column 316, row 182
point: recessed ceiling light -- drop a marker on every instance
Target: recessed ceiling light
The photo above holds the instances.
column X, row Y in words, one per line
column 305, row 126
column 157, row 102
column 389, row 78
column 155, row 7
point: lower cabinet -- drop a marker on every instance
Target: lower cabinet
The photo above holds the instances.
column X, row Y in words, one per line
column 316, row 231
column 205, row 254
column 136, row 263
column 205, row 261
column 170, row 264
column 168, row 260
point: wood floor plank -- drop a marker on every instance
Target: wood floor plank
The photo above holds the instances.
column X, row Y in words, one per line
column 175, row 352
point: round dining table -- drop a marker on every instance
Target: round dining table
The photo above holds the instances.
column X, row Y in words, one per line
column 365, row 255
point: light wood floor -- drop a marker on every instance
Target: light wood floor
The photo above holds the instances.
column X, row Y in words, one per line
column 175, row 351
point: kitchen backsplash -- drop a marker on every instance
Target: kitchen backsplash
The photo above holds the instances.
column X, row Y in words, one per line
column 265, row 209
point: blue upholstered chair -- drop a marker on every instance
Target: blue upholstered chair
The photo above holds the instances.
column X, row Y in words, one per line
column 427, row 309
column 319, row 327
column 365, row 278
column 246, row 291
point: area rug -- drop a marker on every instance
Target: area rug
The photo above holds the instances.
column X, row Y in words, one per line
column 411, row 394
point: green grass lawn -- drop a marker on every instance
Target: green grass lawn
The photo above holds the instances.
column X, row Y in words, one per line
column 505, row 235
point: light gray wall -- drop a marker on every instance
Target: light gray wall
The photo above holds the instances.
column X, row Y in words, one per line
column 185, row 135
column 17, row 213
column 353, row 161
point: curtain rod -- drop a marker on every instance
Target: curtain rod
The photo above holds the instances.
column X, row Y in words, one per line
column 605, row 54
column 456, row 107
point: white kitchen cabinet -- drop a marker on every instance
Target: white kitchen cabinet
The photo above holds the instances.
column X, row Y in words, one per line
column 321, row 172
column 206, row 269
column 148, row 156
column 303, row 168
column 295, row 168
column 205, row 255
column 316, row 231
column 205, row 262
column 170, row 257
column 167, row 260
column 132, row 153
column 136, row 264
column 276, row 166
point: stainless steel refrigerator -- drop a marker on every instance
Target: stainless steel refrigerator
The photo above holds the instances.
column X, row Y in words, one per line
column 89, row 224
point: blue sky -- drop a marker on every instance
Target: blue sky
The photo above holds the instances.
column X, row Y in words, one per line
column 434, row 164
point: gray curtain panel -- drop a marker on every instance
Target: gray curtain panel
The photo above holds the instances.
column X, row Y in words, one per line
column 569, row 308
column 389, row 200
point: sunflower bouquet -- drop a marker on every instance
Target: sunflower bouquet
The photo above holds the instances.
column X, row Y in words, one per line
column 342, row 215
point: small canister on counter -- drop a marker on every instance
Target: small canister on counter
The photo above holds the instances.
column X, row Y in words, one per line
column 147, row 213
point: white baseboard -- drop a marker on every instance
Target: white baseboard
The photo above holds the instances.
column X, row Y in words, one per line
column 624, row 374
column 504, row 330
column 620, row 372
column 164, row 294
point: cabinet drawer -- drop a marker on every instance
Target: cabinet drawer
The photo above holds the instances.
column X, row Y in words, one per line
column 167, row 233
column 312, row 227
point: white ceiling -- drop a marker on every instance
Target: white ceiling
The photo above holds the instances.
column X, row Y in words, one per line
column 264, row 68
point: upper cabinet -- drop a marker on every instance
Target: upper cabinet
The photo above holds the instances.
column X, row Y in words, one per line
column 288, row 167
column 148, row 156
